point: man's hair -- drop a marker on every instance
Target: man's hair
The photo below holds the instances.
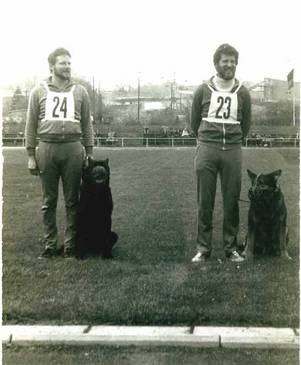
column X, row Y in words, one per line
column 227, row 50
column 57, row 52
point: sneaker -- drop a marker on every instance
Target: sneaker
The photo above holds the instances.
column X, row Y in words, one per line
column 106, row 255
column 50, row 252
column 199, row 257
column 235, row 257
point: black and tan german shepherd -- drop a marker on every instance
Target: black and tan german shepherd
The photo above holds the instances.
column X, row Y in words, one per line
column 267, row 219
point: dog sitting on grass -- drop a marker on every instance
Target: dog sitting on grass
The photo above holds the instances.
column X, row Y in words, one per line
column 267, row 218
column 94, row 218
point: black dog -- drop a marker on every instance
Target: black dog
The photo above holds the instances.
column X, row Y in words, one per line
column 94, row 218
column 267, row 226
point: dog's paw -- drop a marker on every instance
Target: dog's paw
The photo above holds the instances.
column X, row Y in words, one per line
column 107, row 256
column 247, row 255
column 81, row 256
column 286, row 256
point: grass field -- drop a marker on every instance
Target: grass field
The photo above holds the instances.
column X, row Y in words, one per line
column 152, row 280
column 88, row 355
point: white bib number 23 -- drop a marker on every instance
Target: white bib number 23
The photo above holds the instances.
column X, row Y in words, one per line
column 223, row 107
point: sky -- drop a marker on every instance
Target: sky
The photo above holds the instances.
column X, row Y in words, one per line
column 114, row 41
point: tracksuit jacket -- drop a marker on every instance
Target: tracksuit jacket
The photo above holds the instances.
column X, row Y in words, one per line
column 221, row 118
column 58, row 131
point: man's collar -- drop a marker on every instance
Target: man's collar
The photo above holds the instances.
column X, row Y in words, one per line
column 52, row 85
column 211, row 83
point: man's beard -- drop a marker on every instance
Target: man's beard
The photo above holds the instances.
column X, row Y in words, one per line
column 63, row 75
column 226, row 74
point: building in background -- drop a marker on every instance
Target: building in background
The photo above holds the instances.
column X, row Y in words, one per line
column 273, row 90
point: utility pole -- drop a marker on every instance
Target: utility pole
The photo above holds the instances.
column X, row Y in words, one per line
column 138, row 98
column 291, row 89
column 294, row 106
column 171, row 96
column 93, row 106
column 172, row 91
column 26, row 97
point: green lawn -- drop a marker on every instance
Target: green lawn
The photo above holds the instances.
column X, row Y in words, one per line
column 151, row 281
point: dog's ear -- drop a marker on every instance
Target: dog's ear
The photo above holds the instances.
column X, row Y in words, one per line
column 276, row 174
column 251, row 174
column 107, row 161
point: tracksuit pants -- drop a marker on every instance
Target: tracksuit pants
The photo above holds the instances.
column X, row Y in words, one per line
column 60, row 161
column 210, row 162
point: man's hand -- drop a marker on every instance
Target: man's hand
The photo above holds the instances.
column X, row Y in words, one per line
column 33, row 166
column 88, row 157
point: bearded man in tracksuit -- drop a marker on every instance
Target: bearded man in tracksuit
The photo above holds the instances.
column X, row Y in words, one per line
column 220, row 118
column 59, row 114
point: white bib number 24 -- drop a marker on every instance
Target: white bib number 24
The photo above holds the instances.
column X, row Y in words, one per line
column 59, row 106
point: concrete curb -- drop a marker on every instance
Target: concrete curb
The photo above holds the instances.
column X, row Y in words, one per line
column 254, row 337
column 227, row 337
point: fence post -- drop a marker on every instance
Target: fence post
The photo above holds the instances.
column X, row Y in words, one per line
column 146, row 142
column 122, row 143
column 172, row 142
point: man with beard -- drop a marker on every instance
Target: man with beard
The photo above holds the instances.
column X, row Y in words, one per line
column 59, row 114
column 220, row 118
